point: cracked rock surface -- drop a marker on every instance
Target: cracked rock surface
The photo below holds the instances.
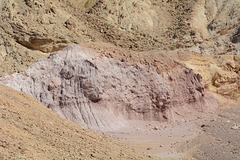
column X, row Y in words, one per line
column 104, row 94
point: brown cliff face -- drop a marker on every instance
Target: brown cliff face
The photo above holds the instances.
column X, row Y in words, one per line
column 103, row 94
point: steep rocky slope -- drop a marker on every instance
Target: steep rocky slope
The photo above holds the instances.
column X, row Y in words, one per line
column 216, row 23
column 221, row 74
column 103, row 94
column 29, row 130
column 31, row 28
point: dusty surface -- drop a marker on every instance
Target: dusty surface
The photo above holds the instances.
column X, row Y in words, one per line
column 29, row 130
column 168, row 140
column 219, row 138
column 203, row 136
column 181, row 139
column 162, row 139
column 223, row 137
column 31, row 29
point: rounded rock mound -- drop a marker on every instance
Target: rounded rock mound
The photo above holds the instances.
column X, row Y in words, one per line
column 104, row 94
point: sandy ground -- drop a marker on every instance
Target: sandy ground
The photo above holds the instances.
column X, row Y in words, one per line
column 197, row 136
column 29, row 130
column 214, row 136
column 221, row 137
column 161, row 141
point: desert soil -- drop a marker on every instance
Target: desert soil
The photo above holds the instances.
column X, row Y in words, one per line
column 183, row 139
column 32, row 29
column 212, row 136
column 29, row 130
column 221, row 139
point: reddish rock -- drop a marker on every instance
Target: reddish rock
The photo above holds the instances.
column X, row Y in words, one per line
column 103, row 93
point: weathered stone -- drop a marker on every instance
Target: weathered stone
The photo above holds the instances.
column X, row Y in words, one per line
column 103, row 94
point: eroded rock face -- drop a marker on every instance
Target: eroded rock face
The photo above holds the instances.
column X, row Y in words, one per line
column 31, row 29
column 220, row 74
column 103, row 94
column 23, row 120
column 236, row 36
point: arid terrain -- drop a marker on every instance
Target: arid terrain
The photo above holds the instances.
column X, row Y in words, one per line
column 30, row 29
column 29, row 130
column 98, row 79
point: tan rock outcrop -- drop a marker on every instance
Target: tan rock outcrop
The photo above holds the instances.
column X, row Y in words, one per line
column 215, row 22
column 30, row 29
column 220, row 73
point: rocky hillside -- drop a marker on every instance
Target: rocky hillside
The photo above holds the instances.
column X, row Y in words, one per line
column 221, row 74
column 29, row 130
column 30, row 29
column 103, row 94
column 129, row 63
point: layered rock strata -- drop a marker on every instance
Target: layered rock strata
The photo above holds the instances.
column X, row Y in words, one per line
column 31, row 29
column 29, row 130
column 103, row 93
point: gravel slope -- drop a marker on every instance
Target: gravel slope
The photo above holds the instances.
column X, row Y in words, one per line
column 29, row 130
